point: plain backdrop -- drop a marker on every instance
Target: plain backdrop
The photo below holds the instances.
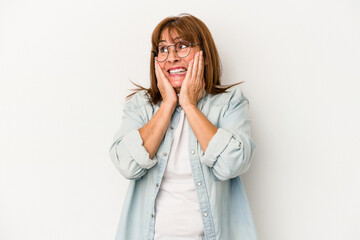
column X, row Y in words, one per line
column 65, row 69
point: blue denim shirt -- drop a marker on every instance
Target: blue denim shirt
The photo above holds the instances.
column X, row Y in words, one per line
column 224, row 207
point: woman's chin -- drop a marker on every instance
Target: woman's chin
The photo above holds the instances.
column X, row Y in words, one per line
column 176, row 84
column 176, row 80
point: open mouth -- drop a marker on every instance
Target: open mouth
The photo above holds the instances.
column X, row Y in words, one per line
column 177, row 71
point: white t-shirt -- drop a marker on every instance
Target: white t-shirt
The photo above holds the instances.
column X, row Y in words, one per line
column 177, row 206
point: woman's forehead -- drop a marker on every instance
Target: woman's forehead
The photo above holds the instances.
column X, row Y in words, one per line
column 169, row 35
column 172, row 35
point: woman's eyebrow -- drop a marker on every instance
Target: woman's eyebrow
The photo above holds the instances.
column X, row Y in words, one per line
column 174, row 39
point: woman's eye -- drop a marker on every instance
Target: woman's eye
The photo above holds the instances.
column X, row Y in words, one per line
column 162, row 49
column 183, row 45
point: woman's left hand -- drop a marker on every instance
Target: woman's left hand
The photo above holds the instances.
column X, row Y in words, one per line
column 193, row 85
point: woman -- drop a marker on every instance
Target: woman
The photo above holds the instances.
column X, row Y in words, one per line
column 183, row 143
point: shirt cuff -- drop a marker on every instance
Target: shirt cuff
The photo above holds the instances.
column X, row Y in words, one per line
column 215, row 147
column 134, row 144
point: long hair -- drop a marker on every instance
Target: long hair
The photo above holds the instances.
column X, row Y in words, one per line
column 193, row 30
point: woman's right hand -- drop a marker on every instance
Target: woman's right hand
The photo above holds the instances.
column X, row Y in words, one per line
column 166, row 90
column 153, row 132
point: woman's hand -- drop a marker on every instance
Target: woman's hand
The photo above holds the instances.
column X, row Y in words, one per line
column 166, row 90
column 193, row 85
column 191, row 91
column 154, row 130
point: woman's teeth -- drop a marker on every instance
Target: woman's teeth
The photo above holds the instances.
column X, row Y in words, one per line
column 179, row 70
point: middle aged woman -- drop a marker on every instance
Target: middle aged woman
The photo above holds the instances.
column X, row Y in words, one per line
column 183, row 143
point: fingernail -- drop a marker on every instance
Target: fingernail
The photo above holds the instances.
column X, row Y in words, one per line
column 201, row 53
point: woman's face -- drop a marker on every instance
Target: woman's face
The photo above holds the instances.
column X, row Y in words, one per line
column 173, row 61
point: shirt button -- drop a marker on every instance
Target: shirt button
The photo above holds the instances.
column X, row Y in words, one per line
column 165, row 154
column 193, row 152
column 152, row 215
column 239, row 143
column 199, row 183
column 157, row 185
column 205, row 214
column 171, row 127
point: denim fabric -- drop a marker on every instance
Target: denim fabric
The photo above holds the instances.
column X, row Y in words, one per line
column 224, row 207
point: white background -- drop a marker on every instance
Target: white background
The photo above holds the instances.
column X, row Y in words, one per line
column 65, row 68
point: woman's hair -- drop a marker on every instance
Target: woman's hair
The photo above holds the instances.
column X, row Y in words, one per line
column 193, row 30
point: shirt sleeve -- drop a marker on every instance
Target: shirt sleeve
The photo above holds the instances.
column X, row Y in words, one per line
column 127, row 151
column 229, row 152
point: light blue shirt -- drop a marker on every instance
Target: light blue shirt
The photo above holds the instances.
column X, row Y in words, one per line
column 224, row 206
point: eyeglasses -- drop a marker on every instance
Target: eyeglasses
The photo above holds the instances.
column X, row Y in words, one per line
column 182, row 50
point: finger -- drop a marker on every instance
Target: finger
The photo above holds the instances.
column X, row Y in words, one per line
column 200, row 72
column 157, row 71
column 188, row 76
column 160, row 72
column 196, row 74
column 161, row 82
column 189, row 72
column 196, row 66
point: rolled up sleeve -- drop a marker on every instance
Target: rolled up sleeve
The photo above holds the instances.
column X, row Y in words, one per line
column 230, row 151
column 127, row 151
column 216, row 146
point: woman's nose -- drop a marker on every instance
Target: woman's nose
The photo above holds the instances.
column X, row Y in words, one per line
column 172, row 54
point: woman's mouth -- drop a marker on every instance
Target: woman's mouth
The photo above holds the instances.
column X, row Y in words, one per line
column 177, row 71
